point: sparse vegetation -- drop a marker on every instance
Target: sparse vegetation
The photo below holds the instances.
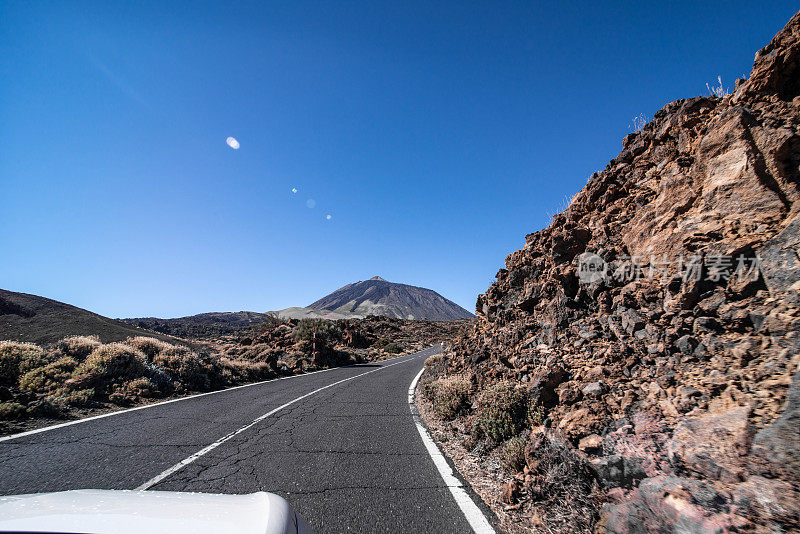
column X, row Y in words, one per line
column 449, row 396
column 718, row 90
column 512, row 456
column 328, row 333
column 17, row 358
column 11, row 410
column 393, row 348
column 502, row 411
column 78, row 347
column 639, row 122
column 82, row 373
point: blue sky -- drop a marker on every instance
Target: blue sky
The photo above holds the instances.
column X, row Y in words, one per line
column 435, row 134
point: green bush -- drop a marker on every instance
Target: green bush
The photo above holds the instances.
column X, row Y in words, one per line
column 512, row 456
column 78, row 347
column 328, row 332
column 11, row 410
column 393, row 348
column 502, row 411
column 43, row 408
column 18, row 358
column 536, row 414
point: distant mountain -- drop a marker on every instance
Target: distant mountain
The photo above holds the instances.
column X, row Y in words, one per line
column 376, row 296
column 40, row 320
column 201, row 325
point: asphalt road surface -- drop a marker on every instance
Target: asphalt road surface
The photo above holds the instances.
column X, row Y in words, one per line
column 348, row 457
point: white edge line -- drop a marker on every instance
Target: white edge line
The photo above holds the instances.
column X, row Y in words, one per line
column 127, row 410
column 183, row 463
column 477, row 520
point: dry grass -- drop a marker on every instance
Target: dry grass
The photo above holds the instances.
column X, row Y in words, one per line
column 562, row 487
column 718, row 90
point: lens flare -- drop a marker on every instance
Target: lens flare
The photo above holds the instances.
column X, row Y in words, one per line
column 233, row 143
column 328, row 217
column 294, row 190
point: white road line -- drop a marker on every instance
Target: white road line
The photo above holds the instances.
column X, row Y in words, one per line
column 127, row 410
column 183, row 463
column 474, row 515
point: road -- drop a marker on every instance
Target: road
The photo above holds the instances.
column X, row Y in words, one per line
column 340, row 445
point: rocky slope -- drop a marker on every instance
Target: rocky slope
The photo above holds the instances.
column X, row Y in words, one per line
column 653, row 326
column 200, row 326
column 376, row 296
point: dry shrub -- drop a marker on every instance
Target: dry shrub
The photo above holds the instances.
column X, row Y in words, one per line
column 449, row 395
column 81, row 397
column 434, row 363
column 49, row 378
column 11, row 410
column 140, row 387
column 18, row 358
column 240, row 370
column 149, row 346
column 393, row 348
column 109, row 366
column 260, row 352
column 502, row 411
column 185, row 366
column 44, row 407
column 562, row 484
column 512, row 456
column 536, row 413
column 78, row 347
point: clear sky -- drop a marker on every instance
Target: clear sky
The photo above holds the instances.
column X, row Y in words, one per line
column 435, row 134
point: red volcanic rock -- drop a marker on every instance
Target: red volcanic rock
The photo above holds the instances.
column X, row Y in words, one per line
column 668, row 292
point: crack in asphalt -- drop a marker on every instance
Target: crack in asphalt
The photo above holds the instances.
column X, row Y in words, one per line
column 327, row 452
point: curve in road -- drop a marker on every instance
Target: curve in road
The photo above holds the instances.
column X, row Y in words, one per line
column 340, row 445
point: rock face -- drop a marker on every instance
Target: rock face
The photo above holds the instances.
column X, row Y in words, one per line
column 668, row 289
column 376, row 296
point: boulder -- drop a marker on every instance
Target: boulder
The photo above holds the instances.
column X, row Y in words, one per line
column 619, row 471
column 779, row 442
column 713, row 445
column 670, row 504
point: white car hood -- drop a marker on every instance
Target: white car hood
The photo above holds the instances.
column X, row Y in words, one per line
column 122, row 512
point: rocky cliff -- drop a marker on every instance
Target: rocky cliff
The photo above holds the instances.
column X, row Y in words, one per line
column 654, row 324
